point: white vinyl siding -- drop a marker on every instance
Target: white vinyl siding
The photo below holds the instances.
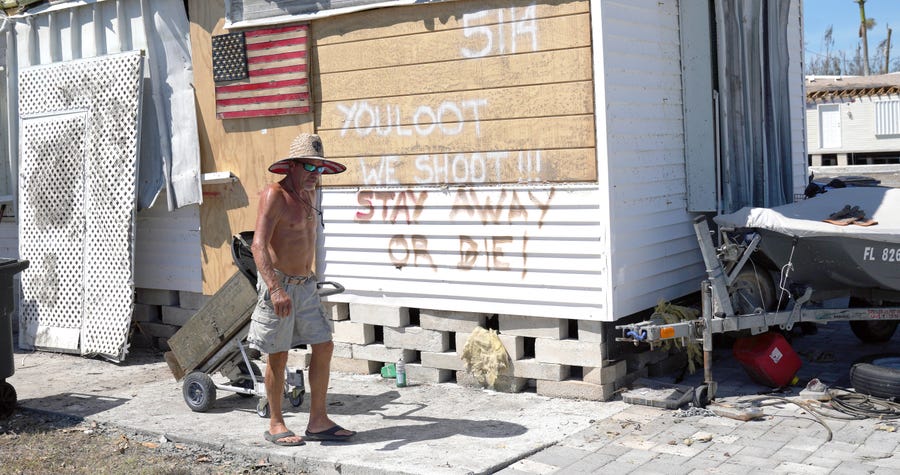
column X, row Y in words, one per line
column 653, row 248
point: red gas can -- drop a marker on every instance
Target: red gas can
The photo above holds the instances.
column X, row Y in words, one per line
column 768, row 358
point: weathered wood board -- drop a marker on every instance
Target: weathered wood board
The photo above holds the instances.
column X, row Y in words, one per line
column 457, row 93
column 212, row 326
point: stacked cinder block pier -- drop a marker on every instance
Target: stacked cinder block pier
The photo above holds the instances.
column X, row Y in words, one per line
column 555, row 357
column 552, row 356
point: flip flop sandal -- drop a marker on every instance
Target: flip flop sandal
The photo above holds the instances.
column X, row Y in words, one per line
column 274, row 438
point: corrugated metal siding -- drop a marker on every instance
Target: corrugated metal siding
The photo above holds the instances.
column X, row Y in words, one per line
column 94, row 28
column 653, row 247
column 524, row 250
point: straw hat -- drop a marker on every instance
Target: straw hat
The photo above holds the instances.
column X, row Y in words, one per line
column 307, row 146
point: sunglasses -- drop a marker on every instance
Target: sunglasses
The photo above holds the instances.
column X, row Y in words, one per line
column 312, row 168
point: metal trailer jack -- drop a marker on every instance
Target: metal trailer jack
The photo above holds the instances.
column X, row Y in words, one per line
column 721, row 293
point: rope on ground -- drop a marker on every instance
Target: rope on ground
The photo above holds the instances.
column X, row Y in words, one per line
column 863, row 406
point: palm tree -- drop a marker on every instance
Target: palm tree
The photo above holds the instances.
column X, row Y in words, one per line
column 865, row 24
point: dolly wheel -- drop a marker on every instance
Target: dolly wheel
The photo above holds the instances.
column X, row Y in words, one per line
column 7, row 399
column 262, row 408
column 199, row 391
column 296, row 397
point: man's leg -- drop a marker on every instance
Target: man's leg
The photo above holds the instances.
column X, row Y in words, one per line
column 319, row 373
column 275, row 393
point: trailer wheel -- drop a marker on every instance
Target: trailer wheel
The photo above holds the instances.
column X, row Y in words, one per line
column 7, row 400
column 199, row 391
column 877, row 375
column 874, row 331
column 752, row 290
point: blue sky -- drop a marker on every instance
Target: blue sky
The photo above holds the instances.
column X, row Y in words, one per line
column 843, row 15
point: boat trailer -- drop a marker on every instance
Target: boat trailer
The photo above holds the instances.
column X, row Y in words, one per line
column 723, row 291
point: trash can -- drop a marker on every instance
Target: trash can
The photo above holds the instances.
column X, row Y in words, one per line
column 8, row 268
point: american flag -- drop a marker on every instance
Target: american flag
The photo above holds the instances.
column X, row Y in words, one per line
column 261, row 73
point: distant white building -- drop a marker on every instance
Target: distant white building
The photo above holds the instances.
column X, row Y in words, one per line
column 853, row 120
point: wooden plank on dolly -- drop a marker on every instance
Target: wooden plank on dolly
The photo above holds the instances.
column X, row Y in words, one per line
column 212, row 326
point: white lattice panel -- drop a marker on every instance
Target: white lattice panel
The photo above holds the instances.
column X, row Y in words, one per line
column 109, row 89
column 53, row 230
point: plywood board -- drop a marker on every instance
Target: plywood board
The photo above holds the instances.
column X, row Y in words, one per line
column 424, row 46
column 488, row 94
column 437, row 17
column 244, row 147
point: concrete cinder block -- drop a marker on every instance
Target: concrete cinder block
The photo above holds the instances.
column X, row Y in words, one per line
column 461, row 339
column 337, row 310
column 638, row 360
column 350, row 365
column 419, row 373
column 156, row 296
column 571, row 389
column 449, row 321
column 612, row 372
column 379, row 315
column 139, row 340
column 351, row 332
column 163, row 344
column 445, row 360
column 673, row 363
column 159, row 330
column 379, row 352
column 515, row 346
column 569, row 352
column 591, row 330
column 192, row 300
column 536, row 327
column 503, row 384
column 146, row 313
column 176, row 315
column 530, row 369
column 416, row 338
column 343, row 350
column 630, row 377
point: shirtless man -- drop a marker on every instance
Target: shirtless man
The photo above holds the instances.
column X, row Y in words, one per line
column 288, row 312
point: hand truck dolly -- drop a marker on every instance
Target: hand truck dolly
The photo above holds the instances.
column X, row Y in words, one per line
column 234, row 358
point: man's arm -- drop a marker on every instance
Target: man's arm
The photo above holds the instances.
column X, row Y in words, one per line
column 271, row 207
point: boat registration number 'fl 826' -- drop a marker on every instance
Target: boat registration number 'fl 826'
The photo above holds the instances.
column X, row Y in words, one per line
column 887, row 254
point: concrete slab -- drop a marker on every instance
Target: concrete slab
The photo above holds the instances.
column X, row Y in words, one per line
column 422, row 428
